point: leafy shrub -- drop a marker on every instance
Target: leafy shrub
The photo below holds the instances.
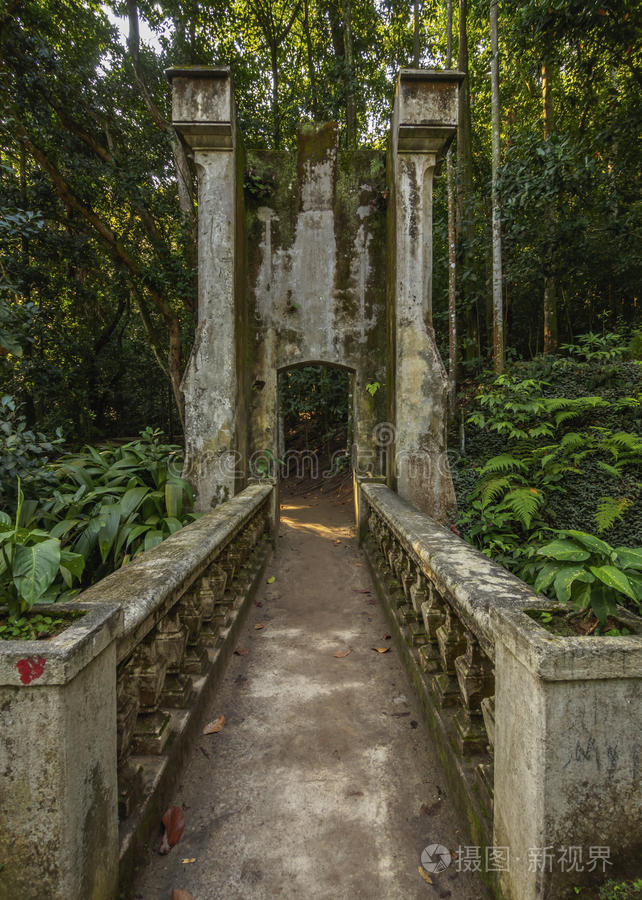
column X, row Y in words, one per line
column 580, row 569
column 621, row 890
column 33, row 566
column 23, row 455
column 112, row 504
column 591, row 347
column 539, row 462
column 107, row 506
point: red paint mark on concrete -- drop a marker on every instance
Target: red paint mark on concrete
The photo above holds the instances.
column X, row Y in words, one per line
column 30, row 668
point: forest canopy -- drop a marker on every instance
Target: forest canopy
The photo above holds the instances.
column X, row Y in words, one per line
column 97, row 209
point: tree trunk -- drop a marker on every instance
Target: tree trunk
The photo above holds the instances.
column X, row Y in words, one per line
column 498, row 306
column 314, row 103
column 416, row 41
column 276, row 113
column 465, row 227
column 351, row 110
column 452, row 248
column 550, row 288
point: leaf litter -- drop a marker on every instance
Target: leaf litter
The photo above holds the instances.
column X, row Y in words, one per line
column 174, row 823
column 215, row 726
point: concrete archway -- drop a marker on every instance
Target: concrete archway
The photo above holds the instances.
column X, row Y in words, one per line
column 324, row 254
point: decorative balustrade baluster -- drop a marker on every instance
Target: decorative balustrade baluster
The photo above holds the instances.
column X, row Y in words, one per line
column 212, row 590
column 171, row 643
column 451, row 638
column 196, row 660
column 419, row 590
column 127, row 706
column 433, row 613
column 476, row 682
column 406, row 613
column 157, row 682
column 230, row 563
column 407, row 573
column 416, row 592
column 148, row 669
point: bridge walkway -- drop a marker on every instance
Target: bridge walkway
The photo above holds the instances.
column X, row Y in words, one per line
column 322, row 782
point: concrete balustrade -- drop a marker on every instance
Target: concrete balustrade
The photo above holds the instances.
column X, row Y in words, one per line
column 96, row 722
column 538, row 734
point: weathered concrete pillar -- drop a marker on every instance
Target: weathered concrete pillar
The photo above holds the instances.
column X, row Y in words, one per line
column 203, row 111
column 58, row 790
column 424, row 123
column 568, row 719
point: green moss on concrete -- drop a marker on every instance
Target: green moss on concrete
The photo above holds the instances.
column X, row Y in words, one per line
column 391, row 287
column 315, row 143
column 275, row 181
column 241, row 332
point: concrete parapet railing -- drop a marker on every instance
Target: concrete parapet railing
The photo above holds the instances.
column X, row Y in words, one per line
column 538, row 733
column 96, row 721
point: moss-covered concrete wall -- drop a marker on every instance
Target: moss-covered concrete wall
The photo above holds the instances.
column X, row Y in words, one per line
column 315, row 231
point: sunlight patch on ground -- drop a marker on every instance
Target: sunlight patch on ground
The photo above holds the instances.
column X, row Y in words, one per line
column 302, row 690
column 317, row 528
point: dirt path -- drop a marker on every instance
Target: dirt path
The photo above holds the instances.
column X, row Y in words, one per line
column 322, row 783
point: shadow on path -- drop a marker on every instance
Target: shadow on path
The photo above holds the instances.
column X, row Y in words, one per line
column 322, row 783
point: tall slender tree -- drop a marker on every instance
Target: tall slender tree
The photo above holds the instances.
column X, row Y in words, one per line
column 351, row 108
column 498, row 304
column 465, row 223
column 550, row 288
column 452, row 246
column 275, row 22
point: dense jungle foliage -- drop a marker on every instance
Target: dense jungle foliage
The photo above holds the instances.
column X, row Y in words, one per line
column 68, row 521
column 98, row 265
column 315, row 411
column 97, row 208
column 549, row 472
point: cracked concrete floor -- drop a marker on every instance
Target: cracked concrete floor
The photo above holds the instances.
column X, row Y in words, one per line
column 322, row 783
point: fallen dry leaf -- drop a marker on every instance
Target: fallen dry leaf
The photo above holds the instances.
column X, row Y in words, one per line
column 259, row 625
column 362, row 590
column 187, row 861
column 424, row 874
column 387, row 636
column 215, row 726
column 242, row 651
column 336, row 543
column 259, row 603
column 174, row 822
column 341, row 653
column 381, row 649
column 179, row 894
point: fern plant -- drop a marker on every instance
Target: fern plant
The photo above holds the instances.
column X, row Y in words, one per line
column 609, row 510
column 592, row 347
column 509, row 505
